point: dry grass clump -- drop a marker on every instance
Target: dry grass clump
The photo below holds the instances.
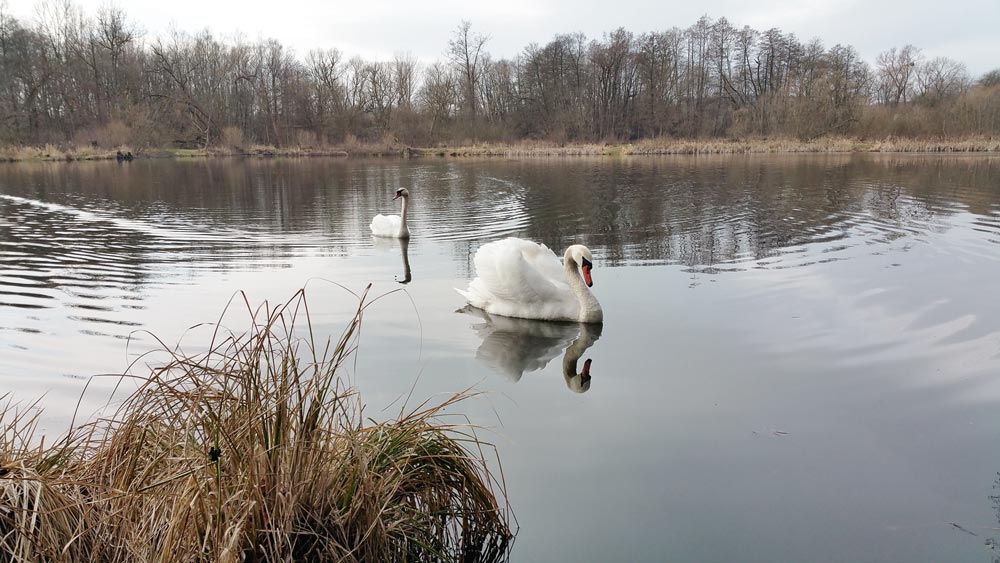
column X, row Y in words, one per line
column 972, row 144
column 54, row 153
column 826, row 144
column 745, row 146
column 671, row 146
column 40, row 152
column 232, row 137
column 232, row 143
column 253, row 451
column 519, row 149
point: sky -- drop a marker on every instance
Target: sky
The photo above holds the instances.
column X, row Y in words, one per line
column 966, row 30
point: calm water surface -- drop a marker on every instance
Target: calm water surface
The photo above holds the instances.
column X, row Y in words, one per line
column 799, row 360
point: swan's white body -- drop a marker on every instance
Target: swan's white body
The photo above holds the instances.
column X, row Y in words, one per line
column 392, row 226
column 520, row 278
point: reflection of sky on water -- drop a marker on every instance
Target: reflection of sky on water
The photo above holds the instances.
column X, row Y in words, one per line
column 803, row 370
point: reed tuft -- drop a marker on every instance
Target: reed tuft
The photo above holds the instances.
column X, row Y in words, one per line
column 252, row 451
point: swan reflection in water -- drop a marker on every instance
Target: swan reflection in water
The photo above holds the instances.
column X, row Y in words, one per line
column 404, row 247
column 382, row 244
column 512, row 346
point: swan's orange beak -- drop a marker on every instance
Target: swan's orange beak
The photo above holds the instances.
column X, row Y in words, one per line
column 586, row 369
column 586, row 274
column 395, row 196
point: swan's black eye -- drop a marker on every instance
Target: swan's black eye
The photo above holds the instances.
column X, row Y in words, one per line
column 587, row 263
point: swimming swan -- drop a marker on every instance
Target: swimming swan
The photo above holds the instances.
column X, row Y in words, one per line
column 392, row 226
column 520, row 278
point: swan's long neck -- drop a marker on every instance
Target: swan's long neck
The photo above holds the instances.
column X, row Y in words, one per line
column 404, row 231
column 590, row 308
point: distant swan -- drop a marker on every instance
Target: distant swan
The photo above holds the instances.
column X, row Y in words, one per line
column 392, row 226
column 520, row 278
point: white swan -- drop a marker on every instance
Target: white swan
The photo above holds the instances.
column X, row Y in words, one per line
column 392, row 226
column 520, row 278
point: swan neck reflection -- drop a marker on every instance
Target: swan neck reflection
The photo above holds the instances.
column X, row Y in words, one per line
column 404, row 247
column 580, row 382
column 512, row 346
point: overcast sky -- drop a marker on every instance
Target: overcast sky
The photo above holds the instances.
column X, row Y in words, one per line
column 965, row 30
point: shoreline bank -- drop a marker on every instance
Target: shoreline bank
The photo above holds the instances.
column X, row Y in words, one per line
column 658, row 147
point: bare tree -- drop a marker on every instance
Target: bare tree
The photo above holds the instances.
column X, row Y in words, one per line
column 940, row 79
column 465, row 51
column 896, row 69
column 114, row 34
column 991, row 78
column 380, row 95
column 324, row 69
column 404, row 77
column 616, row 83
column 67, row 77
column 194, row 73
column 439, row 96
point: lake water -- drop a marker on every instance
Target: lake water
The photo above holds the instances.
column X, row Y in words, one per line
column 800, row 359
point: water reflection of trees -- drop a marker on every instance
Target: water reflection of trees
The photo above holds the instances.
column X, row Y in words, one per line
column 706, row 213
column 709, row 211
column 701, row 211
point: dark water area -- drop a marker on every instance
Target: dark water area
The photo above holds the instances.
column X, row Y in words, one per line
column 800, row 359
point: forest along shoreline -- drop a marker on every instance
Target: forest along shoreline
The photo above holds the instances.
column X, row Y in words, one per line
column 523, row 149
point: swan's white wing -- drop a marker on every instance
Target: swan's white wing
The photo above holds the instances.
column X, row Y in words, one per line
column 543, row 260
column 386, row 225
column 520, row 271
column 520, row 278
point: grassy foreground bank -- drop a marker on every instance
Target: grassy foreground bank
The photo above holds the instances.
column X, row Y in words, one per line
column 252, row 451
column 524, row 149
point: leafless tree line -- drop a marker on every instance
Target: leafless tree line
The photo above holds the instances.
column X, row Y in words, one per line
column 66, row 77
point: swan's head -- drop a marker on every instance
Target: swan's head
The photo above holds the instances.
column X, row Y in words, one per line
column 585, row 377
column 401, row 192
column 580, row 382
column 580, row 255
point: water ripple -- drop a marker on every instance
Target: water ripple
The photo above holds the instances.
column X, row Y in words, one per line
column 96, row 247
